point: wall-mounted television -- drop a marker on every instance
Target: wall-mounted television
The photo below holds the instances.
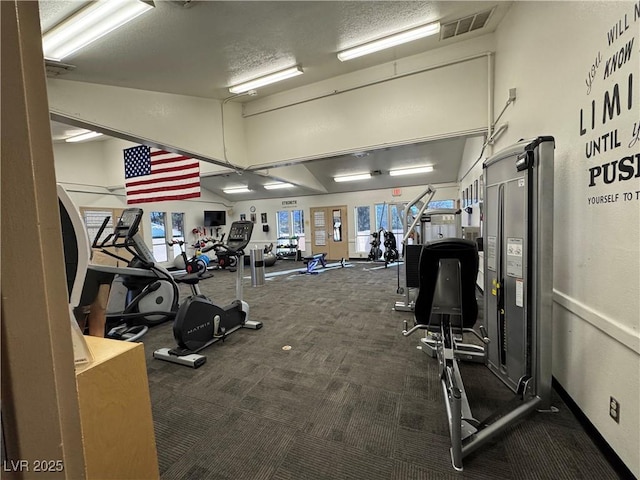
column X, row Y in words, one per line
column 215, row 218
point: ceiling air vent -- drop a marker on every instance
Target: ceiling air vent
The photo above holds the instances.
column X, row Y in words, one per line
column 464, row 25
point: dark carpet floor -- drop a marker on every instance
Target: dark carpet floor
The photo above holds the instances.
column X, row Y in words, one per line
column 351, row 399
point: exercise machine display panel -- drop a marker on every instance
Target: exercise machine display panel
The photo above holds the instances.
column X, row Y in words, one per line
column 240, row 234
column 128, row 224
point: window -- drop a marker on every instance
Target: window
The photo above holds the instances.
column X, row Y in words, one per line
column 158, row 236
column 93, row 219
column 389, row 217
column 297, row 219
column 442, row 204
column 382, row 216
column 177, row 227
column 384, row 212
column 283, row 225
column 363, row 228
column 290, row 223
column 337, row 225
column 396, row 212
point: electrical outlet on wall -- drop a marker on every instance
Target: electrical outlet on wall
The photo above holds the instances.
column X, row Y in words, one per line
column 614, row 409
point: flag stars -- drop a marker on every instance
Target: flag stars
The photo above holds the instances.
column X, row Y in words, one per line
column 137, row 161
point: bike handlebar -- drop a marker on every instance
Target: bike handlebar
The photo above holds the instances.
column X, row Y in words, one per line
column 99, row 234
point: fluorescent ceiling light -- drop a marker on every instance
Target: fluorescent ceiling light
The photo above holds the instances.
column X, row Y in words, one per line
column 236, row 190
column 88, row 25
column 266, row 80
column 274, row 186
column 83, row 136
column 390, row 41
column 410, row 171
column 352, row 178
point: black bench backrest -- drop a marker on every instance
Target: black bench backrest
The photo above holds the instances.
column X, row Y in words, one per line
column 450, row 251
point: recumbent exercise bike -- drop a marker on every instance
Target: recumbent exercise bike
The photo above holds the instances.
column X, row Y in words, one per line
column 199, row 322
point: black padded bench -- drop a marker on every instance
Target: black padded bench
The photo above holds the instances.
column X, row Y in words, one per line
column 448, row 269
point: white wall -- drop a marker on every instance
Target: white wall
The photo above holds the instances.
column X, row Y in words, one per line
column 548, row 50
column 85, row 164
column 403, row 110
column 189, row 125
column 470, row 172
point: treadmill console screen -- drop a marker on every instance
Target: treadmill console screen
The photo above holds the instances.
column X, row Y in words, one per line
column 240, row 234
column 128, row 223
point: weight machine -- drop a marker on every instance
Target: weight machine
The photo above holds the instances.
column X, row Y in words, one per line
column 518, row 261
column 200, row 322
column 434, row 224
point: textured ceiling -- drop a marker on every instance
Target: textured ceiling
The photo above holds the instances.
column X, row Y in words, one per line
column 200, row 48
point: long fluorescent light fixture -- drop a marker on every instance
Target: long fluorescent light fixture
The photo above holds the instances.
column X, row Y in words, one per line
column 410, row 171
column 267, row 80
column 83, row 136
column 390, row 41
column 352, row 178
column 88, row 25
column 275, row 186
column 236, row 190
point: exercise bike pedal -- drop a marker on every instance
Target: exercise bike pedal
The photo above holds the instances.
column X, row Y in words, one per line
column 126, row 333
column 193, row 360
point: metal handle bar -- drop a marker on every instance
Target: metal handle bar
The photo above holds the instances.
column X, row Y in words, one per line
column 407, row 230
column 419, row 326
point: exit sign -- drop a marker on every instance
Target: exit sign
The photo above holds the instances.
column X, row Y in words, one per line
column 396, row 192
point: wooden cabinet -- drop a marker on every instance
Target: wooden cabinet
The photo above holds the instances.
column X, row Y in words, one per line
column 115, row 412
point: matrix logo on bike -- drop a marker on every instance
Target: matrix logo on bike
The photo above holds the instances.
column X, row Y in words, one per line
column 199, row 327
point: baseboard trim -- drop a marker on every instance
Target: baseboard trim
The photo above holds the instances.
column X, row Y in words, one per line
column 609, row 453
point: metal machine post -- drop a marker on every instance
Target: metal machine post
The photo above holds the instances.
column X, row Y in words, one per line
column 407, row 304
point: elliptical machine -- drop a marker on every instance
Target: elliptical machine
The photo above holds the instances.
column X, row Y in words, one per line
column 143, row 294
column 199, row 322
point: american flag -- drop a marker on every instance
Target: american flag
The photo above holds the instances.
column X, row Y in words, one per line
column 153, row 175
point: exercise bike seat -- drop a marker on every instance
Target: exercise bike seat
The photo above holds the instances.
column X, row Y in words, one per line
column 466, row 253
column 193, row 278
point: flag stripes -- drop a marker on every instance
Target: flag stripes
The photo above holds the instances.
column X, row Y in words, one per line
column 165, row 178
column 162, row 198
column 154, row 175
